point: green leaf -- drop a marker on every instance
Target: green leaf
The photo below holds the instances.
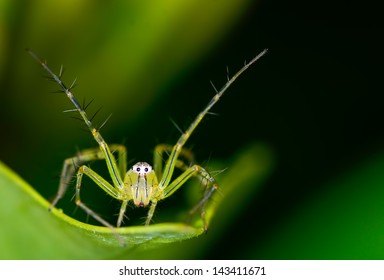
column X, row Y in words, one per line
column 30, row 231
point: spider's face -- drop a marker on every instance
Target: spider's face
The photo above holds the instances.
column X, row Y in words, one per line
column 142, row 168
column 142, row 180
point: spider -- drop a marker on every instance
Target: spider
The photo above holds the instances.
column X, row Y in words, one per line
column 143, row 184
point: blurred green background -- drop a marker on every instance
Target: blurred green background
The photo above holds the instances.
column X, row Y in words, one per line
column 315, row 100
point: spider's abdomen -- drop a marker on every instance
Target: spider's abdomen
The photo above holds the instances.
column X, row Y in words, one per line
column 141, row 181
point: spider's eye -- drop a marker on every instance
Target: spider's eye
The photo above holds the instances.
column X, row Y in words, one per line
column 142, row 168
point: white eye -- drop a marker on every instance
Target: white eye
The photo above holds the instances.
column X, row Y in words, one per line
column 142, row 168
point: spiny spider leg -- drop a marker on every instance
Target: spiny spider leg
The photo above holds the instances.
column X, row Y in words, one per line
column 117, row 189
column 170, row 165
column 109, row 158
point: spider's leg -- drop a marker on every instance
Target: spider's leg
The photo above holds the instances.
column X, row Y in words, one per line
column 202, row 204
column 100, row 181
column 103, row 184
column 210, row 187
column 84, row 156
column 172, row 162
column 170, row 165
column 109, row 158
column 195, row 170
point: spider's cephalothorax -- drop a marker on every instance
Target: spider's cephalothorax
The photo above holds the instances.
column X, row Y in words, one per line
column 141, row 184
column 142, row 181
